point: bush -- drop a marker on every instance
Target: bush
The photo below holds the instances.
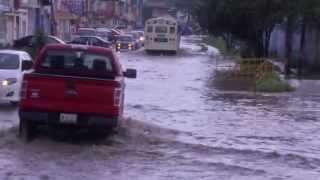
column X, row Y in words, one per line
column 38, row 44
column 220, row 43
column 272, row 83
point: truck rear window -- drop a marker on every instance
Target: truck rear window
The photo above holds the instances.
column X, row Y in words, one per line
column 77, row 63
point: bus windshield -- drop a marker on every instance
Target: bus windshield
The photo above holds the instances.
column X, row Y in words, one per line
column 124, row 38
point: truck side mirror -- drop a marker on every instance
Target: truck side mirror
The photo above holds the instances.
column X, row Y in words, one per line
column 26, row 65
column 130, row 73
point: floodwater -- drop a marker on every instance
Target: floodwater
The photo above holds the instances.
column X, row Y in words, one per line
column 180, row 124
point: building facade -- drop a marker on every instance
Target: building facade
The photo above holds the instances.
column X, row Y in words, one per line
column 14, row 20
column 20, row 18
column 67, row 17
column 4, row 8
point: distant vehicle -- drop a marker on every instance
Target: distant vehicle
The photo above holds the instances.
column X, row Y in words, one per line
column 136, row 37
column 121, row 27
column 125, row 42
column 161, row 34
column 92, row 41
column 106, row 34
column 13, row 64
column 141, row 36
column 75, row 86
column 30, row 41
column 116, row 32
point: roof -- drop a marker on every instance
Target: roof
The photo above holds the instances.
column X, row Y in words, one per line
column 87, row 29
column 78, row 47
column 56, row 38
column 97, row 37
column 90, row 37
column 138, row 31
column 124, row 35
column 162, row 19
column 9, row 51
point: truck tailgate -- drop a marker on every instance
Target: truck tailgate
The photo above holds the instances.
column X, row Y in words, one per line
column 70, row 94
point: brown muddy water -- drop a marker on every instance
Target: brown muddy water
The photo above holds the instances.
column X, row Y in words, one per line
column 179, row 125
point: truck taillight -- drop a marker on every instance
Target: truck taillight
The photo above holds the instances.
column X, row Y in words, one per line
column 24, row 89
column 117, row 97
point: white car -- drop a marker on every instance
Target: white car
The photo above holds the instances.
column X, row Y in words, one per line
column 13, row 64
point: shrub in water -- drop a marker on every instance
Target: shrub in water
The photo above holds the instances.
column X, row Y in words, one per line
column 272, row 83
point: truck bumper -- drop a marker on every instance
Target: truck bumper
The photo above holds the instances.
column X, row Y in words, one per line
column 82, row 121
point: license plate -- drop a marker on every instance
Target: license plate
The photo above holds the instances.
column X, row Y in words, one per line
column 68, row 118
column 161, row 40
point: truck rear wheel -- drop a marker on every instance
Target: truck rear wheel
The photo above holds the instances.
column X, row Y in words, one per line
column 26, row 129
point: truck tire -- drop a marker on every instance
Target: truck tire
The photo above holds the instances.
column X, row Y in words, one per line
column 26, row 129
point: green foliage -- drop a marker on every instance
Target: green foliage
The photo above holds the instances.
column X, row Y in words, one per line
column 252, row 21
column 249, row 21
column 221, row 44
column 38, row 44
column 272, row 83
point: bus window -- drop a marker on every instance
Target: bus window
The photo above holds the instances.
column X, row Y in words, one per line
column 150, row 29
column 172, row 30
column 161, row 29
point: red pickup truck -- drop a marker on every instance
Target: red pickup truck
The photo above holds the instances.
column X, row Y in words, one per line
column 73, row 85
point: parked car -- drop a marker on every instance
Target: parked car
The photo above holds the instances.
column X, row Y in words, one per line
column 13, row 64
column 30, row 41
column 125, row 42
column 141, row 36
column 116, row 32
column 73, row 85
column 92, row 41
column 106, row 34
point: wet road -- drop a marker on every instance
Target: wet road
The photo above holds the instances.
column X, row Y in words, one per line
column 180, row 125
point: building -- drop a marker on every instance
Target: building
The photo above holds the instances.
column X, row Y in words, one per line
column 156, row 8
column 14, row 19
column 103, row 13
column 137, row 10
column 22, row 17
column 67, row 16
column 4, row 8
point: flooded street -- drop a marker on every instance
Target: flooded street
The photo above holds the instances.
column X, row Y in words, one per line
column 180, row 125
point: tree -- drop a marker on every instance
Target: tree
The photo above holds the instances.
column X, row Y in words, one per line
column 39, row 43
column 309, row 12
column 184, row 6
column 249, row 21
column 299, row 14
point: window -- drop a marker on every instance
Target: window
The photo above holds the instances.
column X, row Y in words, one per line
column 150, row 29
column 77, row 63
column 26, row 57
column 95, row 41
column 81, row 40
column 124, row 38
column 9, row 61
column 161, row 29
column 172, row 30
column 51, row 40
